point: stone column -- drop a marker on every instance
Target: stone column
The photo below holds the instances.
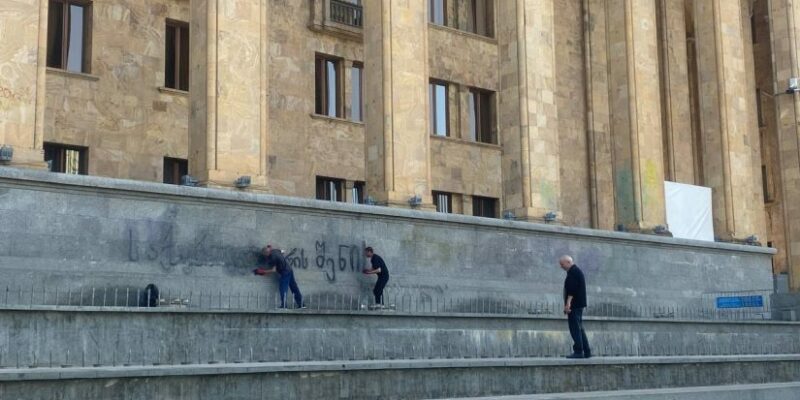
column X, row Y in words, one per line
column 785, row 24
column 598, row 116
column 677, row 116
column 635, row 101
column 23, row 56
column 730, row 166
column 228, row 92
column 527, row 112
column 396, row 134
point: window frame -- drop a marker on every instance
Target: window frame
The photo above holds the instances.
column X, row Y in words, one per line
column 86, row 56
column 484, row 125
column 83, row 157
column 181, row 28
column 436, row 201
column 179, row 162
column 432, row 83
column 340, row 186
column 360, row 106
column 432, row 12
column 321, row 103
column 476, row 200
column 357, row 192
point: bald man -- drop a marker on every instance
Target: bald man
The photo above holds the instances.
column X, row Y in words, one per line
column 574, row 303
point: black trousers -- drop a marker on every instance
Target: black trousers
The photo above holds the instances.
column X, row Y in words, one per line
column 378, row 290
column 581, row 344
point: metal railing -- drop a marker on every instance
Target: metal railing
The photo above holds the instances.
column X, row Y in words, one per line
column 704, row 308
column 347, row 13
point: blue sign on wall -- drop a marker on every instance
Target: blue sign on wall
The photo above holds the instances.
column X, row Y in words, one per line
column 740, row 302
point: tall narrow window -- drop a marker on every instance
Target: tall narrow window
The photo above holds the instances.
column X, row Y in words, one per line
column 437, row 9
column 481, row 115
column 484, row 207
column 759, row 109
column 439, row 111
column 357, row 193
column 356, row 92
column 765, row 186
column 69, row 35
column 176, row 69
column 174, row 169
column 443, row 202
column 330, row 189
column 481, row 17
column 328, row 87
column 66, row 159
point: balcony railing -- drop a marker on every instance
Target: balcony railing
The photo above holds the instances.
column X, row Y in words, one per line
column 347, row 13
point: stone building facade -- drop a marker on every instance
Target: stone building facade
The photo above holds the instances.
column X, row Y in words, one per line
column 564, row 111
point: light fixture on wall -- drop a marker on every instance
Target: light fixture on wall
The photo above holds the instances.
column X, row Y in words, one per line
column 415, row 201
column 509, row 215
column 242, row 182
column 370, row 201
column 188, row 180
column 752, row 240
column 6, row 153
column 550, row 216
column 660, row 230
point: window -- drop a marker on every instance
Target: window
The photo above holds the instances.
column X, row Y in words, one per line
column 176, row 69
column 174, row 169
column 484, row 207
column 348, row 12
column 443, row 202
column 356, row 92
column 330, row 189
column 438, row 11
column 66, row 159
column 439, row 111
column 765, row 186
column 69, row 35
column 481, row 107
column 328, row 86
column 357, row 193
column 481, row 18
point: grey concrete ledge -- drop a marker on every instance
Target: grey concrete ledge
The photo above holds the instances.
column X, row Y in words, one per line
column 137, row 371
column 374, row 314
column 130, row 188
column 639, row 394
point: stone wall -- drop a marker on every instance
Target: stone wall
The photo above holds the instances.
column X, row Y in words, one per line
column 78, row 232
column 120, row 110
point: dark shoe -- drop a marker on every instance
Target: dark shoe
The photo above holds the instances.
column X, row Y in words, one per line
column 575, row 355
column 587, row 355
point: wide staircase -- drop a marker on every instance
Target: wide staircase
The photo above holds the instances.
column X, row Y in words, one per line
column 98, row 344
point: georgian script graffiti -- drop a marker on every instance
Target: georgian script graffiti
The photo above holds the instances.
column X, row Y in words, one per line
column 201, row 252
column 205, row 251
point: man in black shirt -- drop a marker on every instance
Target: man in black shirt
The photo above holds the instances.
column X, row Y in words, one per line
column 574, row 303
column 378, row 268
column 275, row 262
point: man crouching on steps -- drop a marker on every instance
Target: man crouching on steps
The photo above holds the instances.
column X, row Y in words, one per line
column 378, row 268
column 275, row 262
column 574, row 303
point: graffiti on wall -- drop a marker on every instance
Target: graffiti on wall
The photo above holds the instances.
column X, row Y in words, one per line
column 206, row 251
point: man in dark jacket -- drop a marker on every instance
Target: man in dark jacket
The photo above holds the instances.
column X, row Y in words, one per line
column 274, row 261
column 574, row 303
column 378, row 268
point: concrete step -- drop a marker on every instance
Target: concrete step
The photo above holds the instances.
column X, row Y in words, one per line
column 764, row 391
column 397, row 379
column 110, row 335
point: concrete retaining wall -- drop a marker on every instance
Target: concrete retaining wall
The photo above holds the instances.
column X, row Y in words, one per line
column 78, row 232
column 410, row 379
column 107, row 337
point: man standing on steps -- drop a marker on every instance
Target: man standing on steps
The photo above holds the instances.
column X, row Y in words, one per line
column 574, row 303
column 274, row 260
column 378, row 268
